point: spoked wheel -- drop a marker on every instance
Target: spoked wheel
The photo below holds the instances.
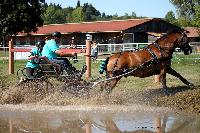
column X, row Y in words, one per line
column 21, row 74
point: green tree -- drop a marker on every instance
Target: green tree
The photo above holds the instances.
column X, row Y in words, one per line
column 133, row 15
column 196, row 19
column 20, row 16
column 115, row 16
column 54, row 14
column 126, row 16
column 90, row 12
column 78, row 4
column 186, row 10
column 68, row 13
column 170, row 17
column 77, row 15
column 184, row 22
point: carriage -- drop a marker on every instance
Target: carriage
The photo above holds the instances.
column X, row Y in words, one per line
column 71, row 80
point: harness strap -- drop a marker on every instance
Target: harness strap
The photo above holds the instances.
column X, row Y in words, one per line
column 153, row 55
column 116, row 61
column 158, row 47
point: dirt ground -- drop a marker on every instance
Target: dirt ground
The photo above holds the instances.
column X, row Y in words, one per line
column 181, row 98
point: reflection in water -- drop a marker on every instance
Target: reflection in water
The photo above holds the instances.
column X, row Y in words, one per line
column 96, row 122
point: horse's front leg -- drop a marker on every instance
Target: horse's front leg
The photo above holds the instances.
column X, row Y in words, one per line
column 109, row 85
column 174, row 73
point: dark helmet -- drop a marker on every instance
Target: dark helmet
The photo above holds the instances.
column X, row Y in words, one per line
column 40, row 44
column 56, row 34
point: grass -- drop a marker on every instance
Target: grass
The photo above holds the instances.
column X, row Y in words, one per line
column 4, row 52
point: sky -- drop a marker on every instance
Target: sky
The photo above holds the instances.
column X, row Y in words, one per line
column 145, row 8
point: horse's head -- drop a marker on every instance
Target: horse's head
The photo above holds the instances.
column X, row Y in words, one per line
column 183, row 43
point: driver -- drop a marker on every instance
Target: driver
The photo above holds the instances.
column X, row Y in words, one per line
column 52, row 51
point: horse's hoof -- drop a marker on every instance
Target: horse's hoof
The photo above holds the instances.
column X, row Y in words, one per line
column 166, row 92
column 190, row 84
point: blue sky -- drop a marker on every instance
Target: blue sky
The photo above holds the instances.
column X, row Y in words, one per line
column 148, row 8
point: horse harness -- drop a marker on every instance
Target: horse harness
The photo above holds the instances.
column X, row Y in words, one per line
column 116, row 61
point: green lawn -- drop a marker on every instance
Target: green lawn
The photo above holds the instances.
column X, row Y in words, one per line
column 4, row 52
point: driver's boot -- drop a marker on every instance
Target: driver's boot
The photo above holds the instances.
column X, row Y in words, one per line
column 80, row 73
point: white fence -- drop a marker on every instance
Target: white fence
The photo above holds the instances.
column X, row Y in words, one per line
column 114, row 47
column 102, row 48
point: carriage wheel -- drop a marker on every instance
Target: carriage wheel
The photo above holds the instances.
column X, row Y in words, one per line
column 21, row 74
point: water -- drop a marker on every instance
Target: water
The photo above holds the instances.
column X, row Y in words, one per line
column 93, row 119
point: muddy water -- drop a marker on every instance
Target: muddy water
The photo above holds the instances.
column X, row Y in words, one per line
column 93, row 119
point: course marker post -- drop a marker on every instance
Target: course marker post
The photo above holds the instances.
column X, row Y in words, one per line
column 88, row 55
column 11, row 58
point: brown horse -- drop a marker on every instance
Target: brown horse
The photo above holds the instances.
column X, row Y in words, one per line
column 155, row 59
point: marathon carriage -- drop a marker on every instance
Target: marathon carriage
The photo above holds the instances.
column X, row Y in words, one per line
column 70, row 78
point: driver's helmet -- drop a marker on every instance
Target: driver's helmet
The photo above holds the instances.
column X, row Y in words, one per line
column 56, row 34
column 40, row 45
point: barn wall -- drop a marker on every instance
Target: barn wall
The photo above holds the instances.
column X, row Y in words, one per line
column 157, row 26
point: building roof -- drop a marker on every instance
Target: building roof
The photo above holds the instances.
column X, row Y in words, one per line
column 192, row 31
column 91, row 27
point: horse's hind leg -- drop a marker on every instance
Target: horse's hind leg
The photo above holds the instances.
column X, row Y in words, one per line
column 174, row 73
column 163, row 81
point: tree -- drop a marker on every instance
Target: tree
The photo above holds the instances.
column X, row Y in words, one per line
column 186, row 10
column 20, row 16
column 53, row 15
column 133, row 15
column 126, row 16
column 78, row 4
column 68, row 13
column 170, row 17
column 196, row 19
column 184, row 22
column 78, row 15
column 115, row 16
column 90, row 12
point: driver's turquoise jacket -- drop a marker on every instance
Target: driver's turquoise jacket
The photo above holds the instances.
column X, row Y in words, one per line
column 49, row 49
column 33, row 63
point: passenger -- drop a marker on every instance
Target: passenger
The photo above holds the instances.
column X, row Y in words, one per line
column 73, row 45
column 94, row 52
column 34, row 58
column 52, row 51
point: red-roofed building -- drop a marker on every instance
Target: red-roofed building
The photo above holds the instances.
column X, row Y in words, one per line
column 193, row 33
column 116, row 31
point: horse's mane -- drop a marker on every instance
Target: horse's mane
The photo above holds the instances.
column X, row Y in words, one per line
column 167, row 34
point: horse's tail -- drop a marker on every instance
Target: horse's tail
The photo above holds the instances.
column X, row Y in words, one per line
column 103, row 66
